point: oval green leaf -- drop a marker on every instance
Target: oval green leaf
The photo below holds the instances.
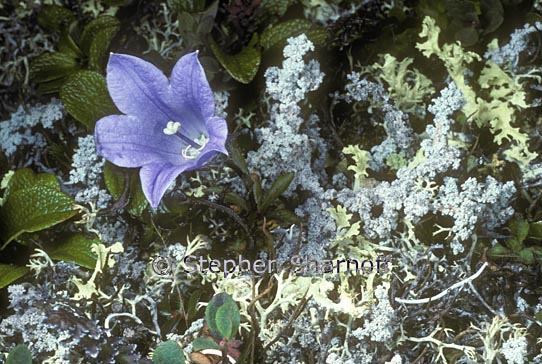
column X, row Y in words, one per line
column 202, row 343
column 10, row 273
column 499, row 251
column 237, row 157
column 20, row 355
column 115, row 182
column 285, row 216
column 32, row 202
column 210, row 311
column 76, row 248
column 67, row 45
column 278, row 34
column 222, row 316
column 242, row 66
column 168, row 352
column 55, row 17
column 96, row 26
column 535, row 230
column 99, row 46
column 227, row 320
column 233, row 198
column 86, row 98
column 276, row 7
column 52, row 66
column 520, row 229
column 257, row 189
column 278, row 187
column 527, row 256
column 50, row 87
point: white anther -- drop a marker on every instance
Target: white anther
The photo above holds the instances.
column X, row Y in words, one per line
column 190, row 152
column 172, row 127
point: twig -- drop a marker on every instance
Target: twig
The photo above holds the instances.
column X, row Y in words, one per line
column 263, row 294
column 533, row 203
column 299, row 238
column 121, row 202
column 475, row 292
column 419, row 357
column 124, row 314
column 227, row 211
column 253, row 322
column 325, row 340
column 445, row 292
column 294, row 316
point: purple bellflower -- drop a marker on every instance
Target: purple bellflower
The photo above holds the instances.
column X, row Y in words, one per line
column 169, row 126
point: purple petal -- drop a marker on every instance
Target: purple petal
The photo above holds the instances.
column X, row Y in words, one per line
column 218, row 133
column 191, row 93
column 129, row 142
column 156, row 178
column 138, row 88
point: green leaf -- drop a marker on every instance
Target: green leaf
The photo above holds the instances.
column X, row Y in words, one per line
column 168, row 352
column 527, row 256
column 116, row 2
column 96, row 26
column 317, row 35
column 99, row 46
column 257, row 189
column 514, row 244
column 278, row 187
column 278, row 34
column 535, row 230
column 115, row 181
column 499, row 251
column 190, row 6
column 187, row 26
column 191, row 307
column 461, row 11
column 468, row 36
column 210, row 312
column 55, row 17
column 234, row 199
column 10, row 273
column 242, row 66
column 51, row 86
column 520, row 229
column 206, row 19
column 52, row 66
column 285, row 216
column 67, row 45
column 237, row 157
column 20, row 355
column 227, row 320
column 537, row 250
column 76, row 248
column 32, row 202
column 222, row 316
column 223, row 321
column 276, row 7
column 86, row 98
column 202, row 343
column 492, row 14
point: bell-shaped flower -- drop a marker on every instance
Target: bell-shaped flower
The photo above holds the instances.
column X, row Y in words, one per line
column 169, row 126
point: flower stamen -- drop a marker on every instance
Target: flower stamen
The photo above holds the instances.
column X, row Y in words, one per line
column 172, row 127
column 191, row 152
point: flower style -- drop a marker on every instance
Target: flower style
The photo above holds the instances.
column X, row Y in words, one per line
column 169, row 125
